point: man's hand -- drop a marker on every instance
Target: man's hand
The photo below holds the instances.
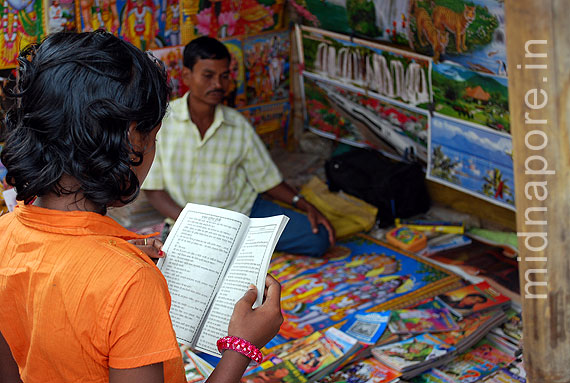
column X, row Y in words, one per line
column 315, row 218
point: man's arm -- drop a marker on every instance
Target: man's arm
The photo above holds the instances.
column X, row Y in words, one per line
column 9, row 372
column 163, row 202
column 285, row 193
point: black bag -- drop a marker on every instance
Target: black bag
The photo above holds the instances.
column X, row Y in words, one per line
column 398, row 189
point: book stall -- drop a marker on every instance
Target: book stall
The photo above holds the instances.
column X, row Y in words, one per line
column 431, row 166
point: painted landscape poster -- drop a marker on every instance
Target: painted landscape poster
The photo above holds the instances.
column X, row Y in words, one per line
column 389, row 73
column 472, row 96
column 471, row 32
column 473, row 159
column 350, row 113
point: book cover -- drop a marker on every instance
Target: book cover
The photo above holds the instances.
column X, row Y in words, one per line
column 417, row 321
column 284, row 372
column 367, row 327
column 406, row 354
column 366, row 371
column 472, row 298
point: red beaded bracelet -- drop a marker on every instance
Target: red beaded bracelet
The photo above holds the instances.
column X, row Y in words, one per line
column 240, row 345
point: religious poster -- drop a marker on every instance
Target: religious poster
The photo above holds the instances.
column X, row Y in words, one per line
column 385, row 72
column 472, row 96
column 61, row 15
column 227, row 18
column 350, row 113
column 235, row 95
column 271, row 121
column 173, row 61
column 22, row 24
column 99, row 14
column 473, row 159
column 266, row 60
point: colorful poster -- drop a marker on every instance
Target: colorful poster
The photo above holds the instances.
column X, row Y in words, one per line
column 387, row 73
column 473, row 159
column 61, row 15
column 351, row 114
column 471, row 33
column 173, row 61
column 271, row 121
column 368, row 276
column 22, row 24
column 471, row 96
column 100, row 14
column 227, row 18
column 266, row 60
column 235, row 96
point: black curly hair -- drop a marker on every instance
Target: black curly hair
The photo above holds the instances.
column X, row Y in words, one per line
column 204, row 48
column 76, row 96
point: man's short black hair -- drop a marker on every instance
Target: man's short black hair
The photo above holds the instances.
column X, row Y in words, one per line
column 76, row 97
column 204, row 48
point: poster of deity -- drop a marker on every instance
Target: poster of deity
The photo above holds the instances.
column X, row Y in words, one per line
column 266, row 60
column 172, row 59
column 235, row 95
column 22, row 24
column 61, row 15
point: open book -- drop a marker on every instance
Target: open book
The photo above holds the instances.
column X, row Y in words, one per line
column 212, row 256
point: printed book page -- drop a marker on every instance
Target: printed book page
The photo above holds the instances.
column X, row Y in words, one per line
column 198, row 252
column 249, row 266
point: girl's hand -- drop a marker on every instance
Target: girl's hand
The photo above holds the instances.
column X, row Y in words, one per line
column 150, row 246
column 260, row 325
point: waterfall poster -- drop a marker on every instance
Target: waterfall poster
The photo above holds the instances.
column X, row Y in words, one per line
column 472, row 96
column 348, row 114
column 387, row 73
column 472, row 159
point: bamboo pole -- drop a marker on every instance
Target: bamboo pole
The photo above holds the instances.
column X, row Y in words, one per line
column 538, row 55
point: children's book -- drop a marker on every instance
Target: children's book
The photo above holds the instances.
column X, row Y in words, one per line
column 474, row 365
column 417, row 321
column 367, row 327
column 366, row 371
column 414, row 353
column 196, row 368
column 504, row 376
column 212, row 256
column 285, row 372
column 472, row 298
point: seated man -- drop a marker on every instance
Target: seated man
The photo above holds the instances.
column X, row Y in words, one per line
column 209, row 154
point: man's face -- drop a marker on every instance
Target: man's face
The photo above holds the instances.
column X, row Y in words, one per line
column 208, row 81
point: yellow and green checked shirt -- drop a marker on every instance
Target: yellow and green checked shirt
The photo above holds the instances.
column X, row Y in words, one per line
column 227, row 168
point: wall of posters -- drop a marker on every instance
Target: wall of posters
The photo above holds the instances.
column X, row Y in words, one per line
column 473, row 159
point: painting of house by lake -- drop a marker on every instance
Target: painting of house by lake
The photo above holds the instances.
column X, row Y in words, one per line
column 475, row 97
